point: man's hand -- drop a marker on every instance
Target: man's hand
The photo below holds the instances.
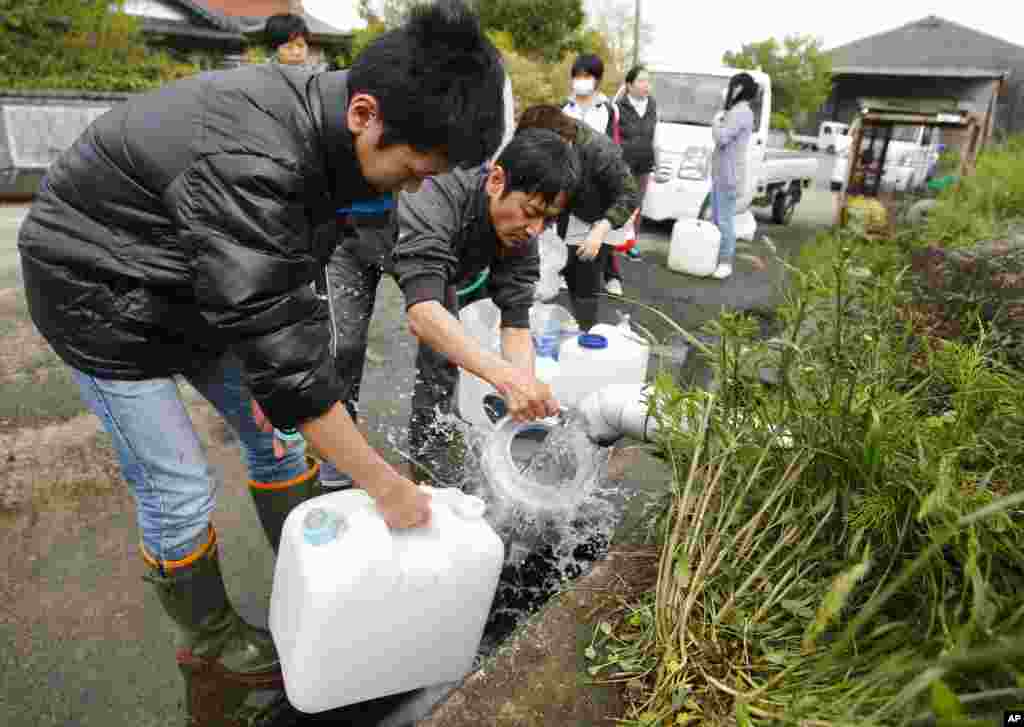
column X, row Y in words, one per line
column 526, row 397
column 404, row 506
column 265, row 425
column 399, row 501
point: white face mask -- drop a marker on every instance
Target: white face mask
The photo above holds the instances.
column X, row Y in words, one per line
column 583, row 86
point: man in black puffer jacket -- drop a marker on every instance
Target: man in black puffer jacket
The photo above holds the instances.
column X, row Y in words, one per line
column 183, row 235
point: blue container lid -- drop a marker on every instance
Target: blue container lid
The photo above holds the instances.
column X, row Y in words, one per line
column 592, row 341
column 319, row 526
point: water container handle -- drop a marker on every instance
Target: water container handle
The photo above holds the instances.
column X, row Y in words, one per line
column 464, row 506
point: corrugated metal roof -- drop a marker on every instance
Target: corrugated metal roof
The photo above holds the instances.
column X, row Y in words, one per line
column 933, row 72
column 931, row 46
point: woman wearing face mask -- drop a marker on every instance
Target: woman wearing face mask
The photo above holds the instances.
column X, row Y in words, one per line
column 638, row 120
column 587, row 103
column 731, row 129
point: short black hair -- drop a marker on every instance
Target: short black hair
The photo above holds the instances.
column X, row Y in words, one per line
column 280, row 29
column 633, row 73
column 537, row 161
column 439, row 82
column 588, row 63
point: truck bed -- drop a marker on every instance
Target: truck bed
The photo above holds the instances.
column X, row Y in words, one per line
column 783, row 167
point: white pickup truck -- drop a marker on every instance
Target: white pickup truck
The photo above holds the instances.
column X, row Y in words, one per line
column 832, row 137
column 680, row 187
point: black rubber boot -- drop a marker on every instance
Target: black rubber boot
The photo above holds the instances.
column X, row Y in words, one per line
column 223, row 659
column 274, row 500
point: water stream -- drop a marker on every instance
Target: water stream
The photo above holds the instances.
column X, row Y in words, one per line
column 553, row 530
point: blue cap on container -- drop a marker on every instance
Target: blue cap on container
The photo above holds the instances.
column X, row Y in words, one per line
column 319, row 526
column 592, row 340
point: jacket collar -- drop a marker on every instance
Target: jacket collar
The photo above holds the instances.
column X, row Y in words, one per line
column 343, row 171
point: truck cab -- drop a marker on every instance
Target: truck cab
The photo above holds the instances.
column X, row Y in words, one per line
column 687, row 102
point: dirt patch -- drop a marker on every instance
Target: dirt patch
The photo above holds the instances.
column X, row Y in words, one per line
column 66, row 462
column 538, row 678
column 24, row 350
column 57, row 463
column 37, row 385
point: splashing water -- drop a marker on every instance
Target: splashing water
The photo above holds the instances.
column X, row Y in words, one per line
column 553, row 462
column 555, row 518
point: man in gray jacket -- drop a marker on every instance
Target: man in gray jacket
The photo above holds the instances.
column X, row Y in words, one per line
column 457, row 226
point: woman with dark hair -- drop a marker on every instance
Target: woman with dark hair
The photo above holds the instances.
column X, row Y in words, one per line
column 731, row 130
column 638, row 119
column 604, row 200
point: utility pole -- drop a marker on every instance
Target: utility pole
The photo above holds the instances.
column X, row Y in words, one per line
column 636, row 36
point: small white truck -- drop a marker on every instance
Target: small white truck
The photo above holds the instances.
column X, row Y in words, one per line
column 832, row 137
column 680, row 187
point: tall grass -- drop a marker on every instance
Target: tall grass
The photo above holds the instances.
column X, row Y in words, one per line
column 843, row 547
column 981, row 204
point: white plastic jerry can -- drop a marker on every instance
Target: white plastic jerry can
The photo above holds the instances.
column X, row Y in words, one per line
column 694, row 247
column 481, row 320
column 360, row 611
column 592, row 361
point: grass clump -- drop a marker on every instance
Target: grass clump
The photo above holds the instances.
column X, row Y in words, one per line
column 842, row 546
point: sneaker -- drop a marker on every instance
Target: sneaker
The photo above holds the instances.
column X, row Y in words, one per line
column 634, row 254
column 723, row 271
column 613, row 287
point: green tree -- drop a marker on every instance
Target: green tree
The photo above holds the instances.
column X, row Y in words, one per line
column 375, row 25
column 78, row 44
column 800, row 71
column 616, row 19
column 544, row 29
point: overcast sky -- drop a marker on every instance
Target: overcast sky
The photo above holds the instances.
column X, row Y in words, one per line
column 690, row 32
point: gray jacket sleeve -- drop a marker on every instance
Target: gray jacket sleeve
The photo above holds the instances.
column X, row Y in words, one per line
column 424, row 255
column 513, row 279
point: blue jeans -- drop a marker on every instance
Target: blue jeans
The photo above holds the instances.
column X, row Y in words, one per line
column 162, row 458
column 723, row 214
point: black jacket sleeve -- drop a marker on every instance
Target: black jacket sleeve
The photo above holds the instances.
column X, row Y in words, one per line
column 243, row 217
column 618, row 184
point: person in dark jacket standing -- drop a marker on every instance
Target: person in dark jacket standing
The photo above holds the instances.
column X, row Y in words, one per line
column 459, row 226
column 638, row 121
column 176, row 237
column 605, row 199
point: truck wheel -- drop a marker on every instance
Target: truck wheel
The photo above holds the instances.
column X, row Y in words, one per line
column 783, row 208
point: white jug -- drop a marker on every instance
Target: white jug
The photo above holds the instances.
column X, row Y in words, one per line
column 590, row 362
column 482, row 321
column 694, row 247
column 360, row 611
